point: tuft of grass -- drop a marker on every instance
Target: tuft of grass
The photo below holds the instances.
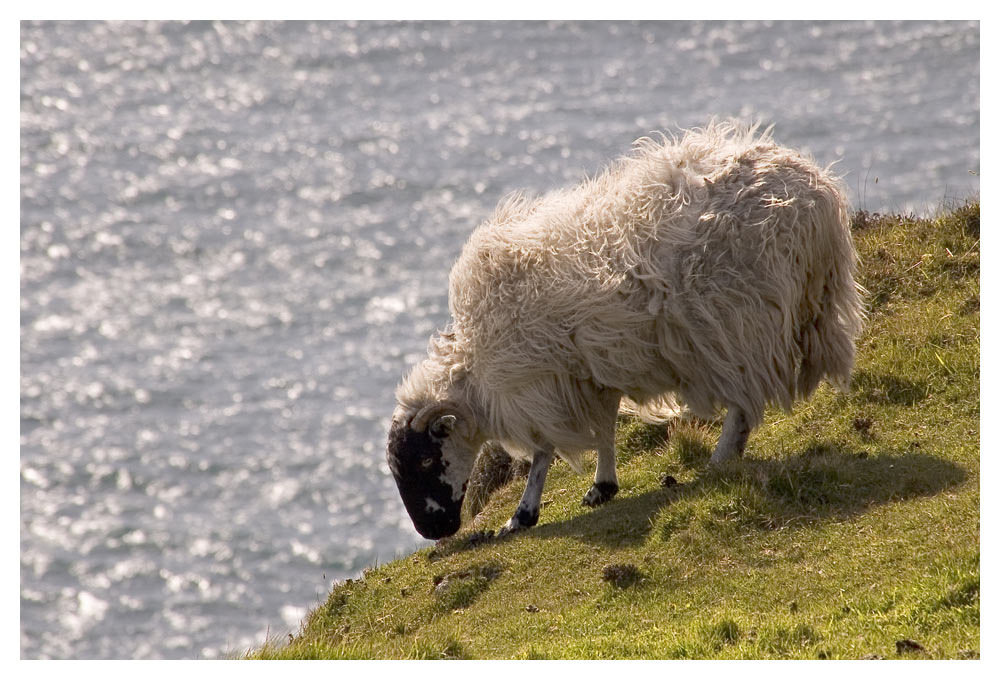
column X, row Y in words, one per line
column 694, row 442
column 636, row 438
column 850, row 530
column 460, row 589
column 723, row 633
column 449, row 648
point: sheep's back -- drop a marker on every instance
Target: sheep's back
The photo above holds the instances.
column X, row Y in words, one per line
column 690, row 268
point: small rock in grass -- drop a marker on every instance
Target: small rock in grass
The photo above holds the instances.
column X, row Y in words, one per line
column 668, row 481
column 441, row 583
column 531, row 608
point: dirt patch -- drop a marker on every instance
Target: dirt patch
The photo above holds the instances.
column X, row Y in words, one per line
column 622, row 575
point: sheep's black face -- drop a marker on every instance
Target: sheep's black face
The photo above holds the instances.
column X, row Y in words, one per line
column 419, row 464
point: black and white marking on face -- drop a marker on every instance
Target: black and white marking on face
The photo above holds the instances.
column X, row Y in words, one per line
column 431, row 491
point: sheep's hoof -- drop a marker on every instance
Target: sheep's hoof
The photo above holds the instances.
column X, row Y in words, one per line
column 507, row 529
column 512, row 526
column 600, row 493
column 522, row 519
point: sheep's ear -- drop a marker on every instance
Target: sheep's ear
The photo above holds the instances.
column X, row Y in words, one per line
column 442, row 427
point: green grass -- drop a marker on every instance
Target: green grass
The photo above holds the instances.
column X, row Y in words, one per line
column 850, row 527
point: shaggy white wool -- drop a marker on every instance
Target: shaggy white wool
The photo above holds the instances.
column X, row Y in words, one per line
column 707, row 271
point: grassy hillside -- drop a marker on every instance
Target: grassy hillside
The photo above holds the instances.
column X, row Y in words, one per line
column 850, row 529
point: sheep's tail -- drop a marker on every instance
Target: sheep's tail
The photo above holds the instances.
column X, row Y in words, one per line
column 659, row 410
column 826, row 338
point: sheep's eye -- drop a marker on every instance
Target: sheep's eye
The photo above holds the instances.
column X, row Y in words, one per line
column 426, row 463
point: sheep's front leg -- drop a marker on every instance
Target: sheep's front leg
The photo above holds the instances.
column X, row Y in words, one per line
column 733, row 440
column 606, row 478
column 527, row 511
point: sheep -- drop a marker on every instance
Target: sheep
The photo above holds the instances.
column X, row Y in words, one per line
column 714, row 270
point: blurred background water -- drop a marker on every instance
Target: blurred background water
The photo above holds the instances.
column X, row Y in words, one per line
column 235, row 238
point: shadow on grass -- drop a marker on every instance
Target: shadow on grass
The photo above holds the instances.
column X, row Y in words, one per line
column 823, row 483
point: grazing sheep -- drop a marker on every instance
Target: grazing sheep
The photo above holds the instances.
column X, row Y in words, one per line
column 712, row 271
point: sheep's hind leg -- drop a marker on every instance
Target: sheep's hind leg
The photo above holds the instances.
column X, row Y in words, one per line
column 527, row 511
column 733, row 440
